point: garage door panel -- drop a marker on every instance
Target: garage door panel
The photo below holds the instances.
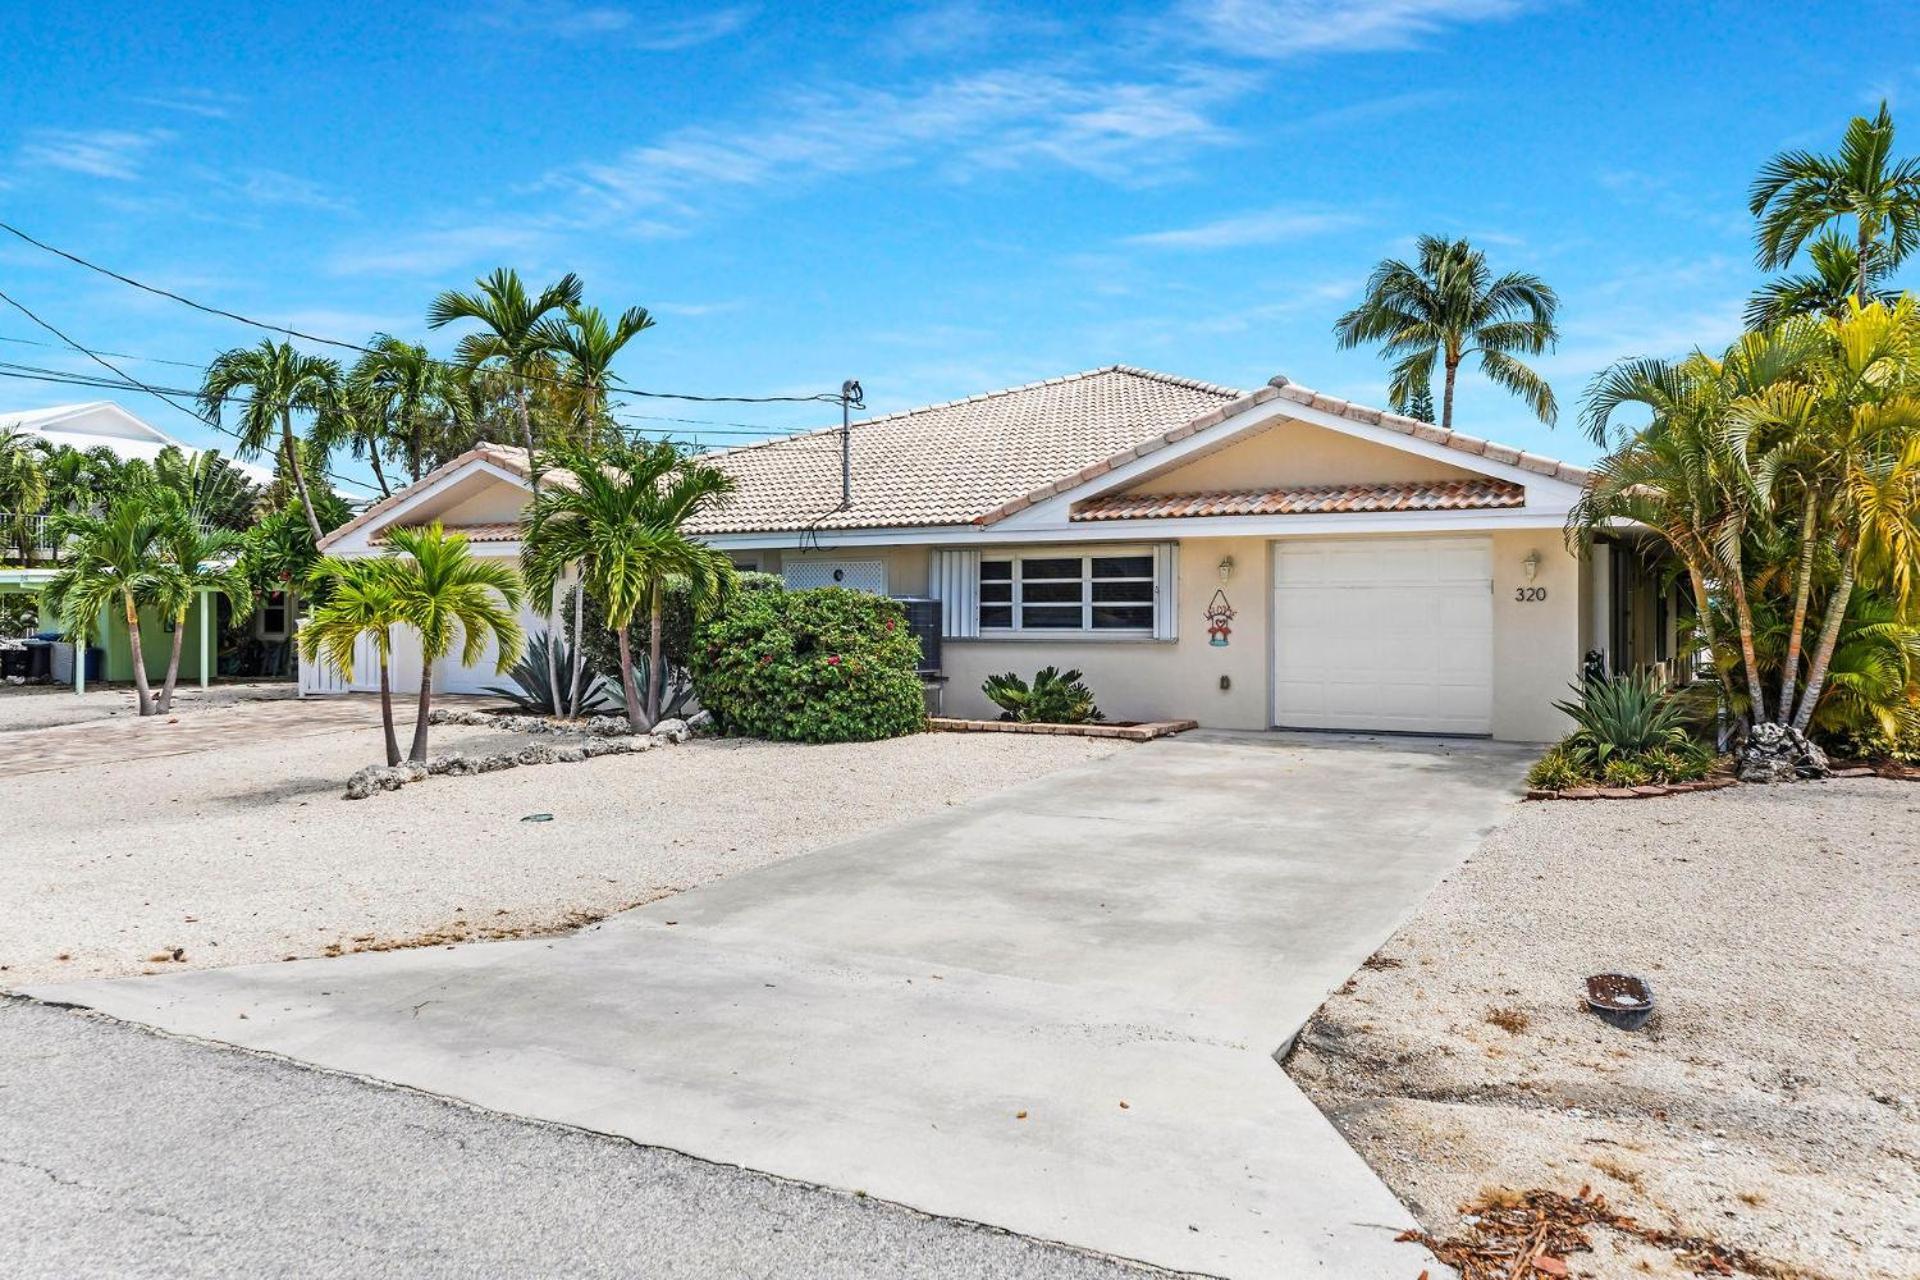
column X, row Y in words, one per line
column 1383, row 634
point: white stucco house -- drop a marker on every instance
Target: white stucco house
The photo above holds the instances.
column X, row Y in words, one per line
column 102, row 424
column 1275, row 558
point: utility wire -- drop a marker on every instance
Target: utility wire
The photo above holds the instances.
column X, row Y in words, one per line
column 136, row 383
column 118, row 355
column 819, row 398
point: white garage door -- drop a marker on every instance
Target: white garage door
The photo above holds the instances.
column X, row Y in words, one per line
column 1383, row 633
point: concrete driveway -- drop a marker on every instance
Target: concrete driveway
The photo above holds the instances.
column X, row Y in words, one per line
column 1053, row 1011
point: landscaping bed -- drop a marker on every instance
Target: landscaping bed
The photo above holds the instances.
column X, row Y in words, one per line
column 1766, row 1116
column 1124, row 731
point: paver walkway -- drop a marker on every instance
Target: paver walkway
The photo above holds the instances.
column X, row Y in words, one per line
column 950, row 1014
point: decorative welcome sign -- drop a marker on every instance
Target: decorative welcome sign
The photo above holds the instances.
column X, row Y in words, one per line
column 1219, row 620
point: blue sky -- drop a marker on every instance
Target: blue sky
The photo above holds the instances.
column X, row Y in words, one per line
column 939, row 199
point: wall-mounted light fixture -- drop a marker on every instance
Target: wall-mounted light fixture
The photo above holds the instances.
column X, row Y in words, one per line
column 1531, row 565
column 1226, row 567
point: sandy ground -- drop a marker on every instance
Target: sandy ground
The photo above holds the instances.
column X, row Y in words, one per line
column 42, row 706
column 1770, row 1104
column 248, row 853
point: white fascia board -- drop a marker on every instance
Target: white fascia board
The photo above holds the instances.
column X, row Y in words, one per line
column 1006, row 533
column 1541, row 490
column 360, row 541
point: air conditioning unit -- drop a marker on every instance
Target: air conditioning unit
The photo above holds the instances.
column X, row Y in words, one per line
column 923, row 619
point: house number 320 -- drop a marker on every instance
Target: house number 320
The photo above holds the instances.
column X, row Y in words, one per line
column 1529, row 595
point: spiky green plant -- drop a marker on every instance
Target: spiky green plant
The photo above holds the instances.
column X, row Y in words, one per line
column 1053, row 697
column 1625, row 715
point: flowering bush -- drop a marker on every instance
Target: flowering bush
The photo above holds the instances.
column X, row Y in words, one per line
column 827, row 665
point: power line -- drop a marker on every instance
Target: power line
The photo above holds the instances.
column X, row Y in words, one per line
column 76, row 259
column 128, row 381
column 118, row 355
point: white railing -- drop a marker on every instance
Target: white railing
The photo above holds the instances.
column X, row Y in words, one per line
column 41, row 543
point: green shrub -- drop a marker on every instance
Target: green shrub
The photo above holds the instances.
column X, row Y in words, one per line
column 1687, row 763
column 1054, row 697
column 1625, row 716
column 826, row 665
column 1565, row 765
column 1901, row 746
column 1624, row 771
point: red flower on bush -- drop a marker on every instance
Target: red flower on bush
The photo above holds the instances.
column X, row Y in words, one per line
column 889, row 624
column 834, row 661
column 765, row 658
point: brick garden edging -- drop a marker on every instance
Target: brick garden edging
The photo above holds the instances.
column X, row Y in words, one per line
column 1124, row 732
column 1669, row 788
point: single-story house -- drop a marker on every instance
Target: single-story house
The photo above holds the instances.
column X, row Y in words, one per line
column 1248, row 560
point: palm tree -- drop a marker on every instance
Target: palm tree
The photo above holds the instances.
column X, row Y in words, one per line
column 361, row 600
column 1447, row 308
column 198, row 562
column 280, row 381
column 1798, row 193
column 112, row 561
column 620, row 521
column 358, row 423
column 1827, row 290
column 514, row 339
column 447, row 594
column 23, row 487
column 588, row 343
column 419, row 396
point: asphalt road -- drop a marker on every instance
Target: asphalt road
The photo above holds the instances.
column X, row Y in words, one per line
column 127, row 1153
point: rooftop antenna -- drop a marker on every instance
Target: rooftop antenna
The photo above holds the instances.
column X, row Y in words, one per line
column 851, row 398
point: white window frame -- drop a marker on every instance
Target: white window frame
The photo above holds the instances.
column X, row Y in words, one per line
column 1015, row 559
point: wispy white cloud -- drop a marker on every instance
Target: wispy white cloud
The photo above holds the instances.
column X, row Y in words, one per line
column 272, row 187
column 209, row 104
column 612, row 23
column 117, row 154
column 1293, row 28
column 1269, row 226
column 961, row 127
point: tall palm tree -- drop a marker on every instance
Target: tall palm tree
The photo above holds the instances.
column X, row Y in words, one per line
column 1445, row 307
column 197, row 562
column 280, row 382
column 112, row 560
column 513, row 339
column 1798, row 193
column 361, row 600
column 588, row 343
column 420, row 396
column 23, row 487
column 448, row 595
column 358, row 423
column 1825, row 291
column 620, row 519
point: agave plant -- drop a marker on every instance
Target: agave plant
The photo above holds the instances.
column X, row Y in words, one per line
column 1625, row 715
column 1054, row 697
column 532, row 689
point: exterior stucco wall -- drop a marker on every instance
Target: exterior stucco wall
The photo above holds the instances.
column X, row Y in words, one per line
column 1297, row 453
column 1152, row 680
column 1536, row 643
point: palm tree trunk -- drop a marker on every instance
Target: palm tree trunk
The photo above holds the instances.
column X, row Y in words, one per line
column 1802, row 590
column 1702, row 606
column 139, row 658
column 656, row 662
column 533, row 482
column 419, row 750
column 1743, row 618
column 292, row 449
column 579, row 644
column 165, row 701
column 1446, row 403
column 1823, row 652
column 635, row 713
column 386, row 712
column 373, row 456
column 1860, row 271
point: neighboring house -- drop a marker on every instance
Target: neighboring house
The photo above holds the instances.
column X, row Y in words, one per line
column 103, row 424
column 1249, row 560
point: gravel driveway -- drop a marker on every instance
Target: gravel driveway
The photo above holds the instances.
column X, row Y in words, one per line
column 1771, row 1103
column 220, row 1163
column 247, row 852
